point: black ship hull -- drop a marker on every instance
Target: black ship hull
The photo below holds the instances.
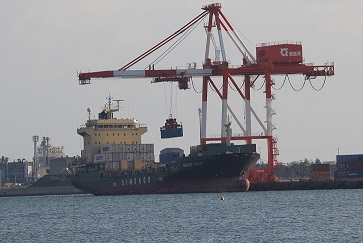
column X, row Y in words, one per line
column 210, row 173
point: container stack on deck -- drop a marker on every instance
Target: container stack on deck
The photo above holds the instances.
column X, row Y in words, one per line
column 349, row 166
column 320, row 171
column 348, row 175
column 125, row 156
column 170, row 155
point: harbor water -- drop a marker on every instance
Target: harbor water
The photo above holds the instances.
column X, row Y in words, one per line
column 274, row 216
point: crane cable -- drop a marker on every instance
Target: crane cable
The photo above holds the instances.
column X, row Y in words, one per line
column 264, row 81
column 169, row 96
column 238, row 87
column 198, row 92
column 293, row 86
column 175, row 44
column 317, row 89
column 215, row 90
column 311, row 84
column 281, row 85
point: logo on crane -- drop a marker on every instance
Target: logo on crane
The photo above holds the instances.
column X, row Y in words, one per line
column 286, row 53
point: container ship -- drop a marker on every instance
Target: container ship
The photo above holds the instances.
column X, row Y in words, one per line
column 115, row 162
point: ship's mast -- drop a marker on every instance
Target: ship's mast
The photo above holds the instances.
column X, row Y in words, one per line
column 108, row 108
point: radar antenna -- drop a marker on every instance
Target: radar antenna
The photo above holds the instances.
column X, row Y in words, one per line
column 118, row 103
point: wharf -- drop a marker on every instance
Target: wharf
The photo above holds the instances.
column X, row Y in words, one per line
column 308, row 185
column 38, row 191
column 47, row 185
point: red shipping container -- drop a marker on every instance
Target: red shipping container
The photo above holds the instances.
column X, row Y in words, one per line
column 320, row 167
column 320, row 175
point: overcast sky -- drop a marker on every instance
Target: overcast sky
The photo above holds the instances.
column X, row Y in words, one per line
column 43, row 44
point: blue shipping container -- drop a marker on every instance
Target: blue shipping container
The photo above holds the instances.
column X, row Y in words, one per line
column 350, row 158
column 168, row 157
column 172, row 132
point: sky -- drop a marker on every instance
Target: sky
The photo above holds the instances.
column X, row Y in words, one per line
column 44, row 44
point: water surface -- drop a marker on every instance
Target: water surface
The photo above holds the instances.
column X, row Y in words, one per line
column 283, row 216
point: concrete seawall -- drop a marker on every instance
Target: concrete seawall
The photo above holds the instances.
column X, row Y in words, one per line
column 39, row 191
column 308, row 185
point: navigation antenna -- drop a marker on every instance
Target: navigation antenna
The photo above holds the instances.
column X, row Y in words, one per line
column 109, row 98
column 89, row 113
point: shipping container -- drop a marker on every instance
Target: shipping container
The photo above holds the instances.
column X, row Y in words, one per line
column 320, row 167
column 108, row 156
column 148, row 164
column 354, row 174
column 130, row 165
column 138, row 155
column 171, row 129
column 193, row 149
column 98, row 158
column 130, row 156
column 320, row 175
column 116, row 156
column 123, row 156
column 154, row 166
column 198, row 148
column 149, row 157
column 351, row 158
column 108, row 166
column 172, row 150
column 119, row 148
column 350, row 166
column 142, row 148
column 169, row 157
column 149, row 148
column 124, row 165
column 127, row 147
column 109, row 148
column 138, row 164
column 171, row 132
column 115, row 166
column 134, row 148
column 353, row 166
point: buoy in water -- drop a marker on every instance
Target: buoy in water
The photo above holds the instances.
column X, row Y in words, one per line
column 222, row 197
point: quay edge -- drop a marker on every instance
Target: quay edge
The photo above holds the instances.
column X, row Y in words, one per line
column 308, row 185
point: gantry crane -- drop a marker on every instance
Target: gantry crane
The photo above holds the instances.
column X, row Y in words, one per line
column 271, row 59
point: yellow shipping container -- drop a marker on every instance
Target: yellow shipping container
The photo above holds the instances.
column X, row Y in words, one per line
column 138, row 164
column 154, row 166
column 124, row 165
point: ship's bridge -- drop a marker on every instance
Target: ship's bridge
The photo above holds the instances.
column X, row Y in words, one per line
column 108, row 130
column 114, row 123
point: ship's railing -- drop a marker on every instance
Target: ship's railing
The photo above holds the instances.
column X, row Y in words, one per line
column 106, row 126
column 279, row 43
